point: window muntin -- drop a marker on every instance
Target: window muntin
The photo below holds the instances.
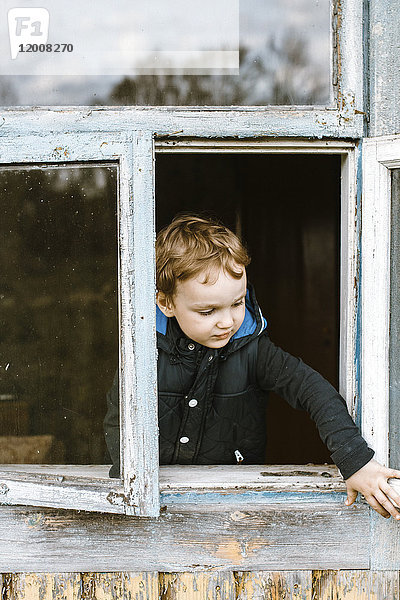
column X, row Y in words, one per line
column 285, row 56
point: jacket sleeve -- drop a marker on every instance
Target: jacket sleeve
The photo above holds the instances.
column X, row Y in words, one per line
column 303, row 388
column 111, row 427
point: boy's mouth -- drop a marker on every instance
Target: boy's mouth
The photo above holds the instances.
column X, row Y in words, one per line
column 223, row 336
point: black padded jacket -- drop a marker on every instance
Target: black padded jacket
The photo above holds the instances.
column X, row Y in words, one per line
column 212, row 402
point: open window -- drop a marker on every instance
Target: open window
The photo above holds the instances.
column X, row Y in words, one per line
column 131, row 195
column 286, row 132
column 70, row 286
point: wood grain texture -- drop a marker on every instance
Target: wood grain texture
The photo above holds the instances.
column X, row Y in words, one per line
column 120, row 586
column 189, row 122
column 186, row 538
column 203, row 585
column 234, row 479
column 384, row 67
column 394, row 346
column 275, row 585
column 138, row 393
column 45, row 586
column 356, row 585
column 198, row 586
column 349, row 281
column 385, row 547
column 375, row 300
column 196, row 479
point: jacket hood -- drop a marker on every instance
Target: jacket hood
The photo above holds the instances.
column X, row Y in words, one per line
column 253, row 324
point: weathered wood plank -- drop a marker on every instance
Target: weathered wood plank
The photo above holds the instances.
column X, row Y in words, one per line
column 186, row 538
column 6, row 586
column 120, row 586
column 187, row 122
column 278, row 478
column 384, row 585
column 356, row 585
column 59, row 492
column 346, row 585
column 394, row 333
column 384, row 68
column 275, row 585
column 385, row 549
column 195, row 478
column 88, row 487
column 45, row 586
column 375, row 301
column 198, row 586
column 138, row 393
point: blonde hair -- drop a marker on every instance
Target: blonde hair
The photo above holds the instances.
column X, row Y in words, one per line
column 191, row 245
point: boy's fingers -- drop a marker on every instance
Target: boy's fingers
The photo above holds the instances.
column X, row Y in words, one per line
column 387, row 505
column 351, row 496
column 391, row 493
column 393, row 473
column 378, row 507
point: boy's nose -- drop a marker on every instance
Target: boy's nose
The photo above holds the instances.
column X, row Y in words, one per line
column 225, row 321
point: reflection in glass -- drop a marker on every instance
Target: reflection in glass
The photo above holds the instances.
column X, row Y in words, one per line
column 285, row 58
column 58, row 312
column 394, row 343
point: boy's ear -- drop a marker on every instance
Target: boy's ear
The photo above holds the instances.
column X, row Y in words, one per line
column 164, row 304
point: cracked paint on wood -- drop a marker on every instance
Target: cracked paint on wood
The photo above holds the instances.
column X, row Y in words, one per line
column 205, row 585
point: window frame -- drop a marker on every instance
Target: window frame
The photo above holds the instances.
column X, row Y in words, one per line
column 380, row 156
column 41, row 129
column 72, row 486
column 136, row 492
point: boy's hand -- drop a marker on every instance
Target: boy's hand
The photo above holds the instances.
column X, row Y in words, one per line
column 371, row 482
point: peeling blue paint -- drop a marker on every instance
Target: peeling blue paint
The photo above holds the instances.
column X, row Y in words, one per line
column 252, row 497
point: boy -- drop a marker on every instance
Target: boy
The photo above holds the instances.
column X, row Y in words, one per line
column 216, row 364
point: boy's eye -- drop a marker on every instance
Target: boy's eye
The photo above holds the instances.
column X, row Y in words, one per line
column 206, row 313
column 238, row 303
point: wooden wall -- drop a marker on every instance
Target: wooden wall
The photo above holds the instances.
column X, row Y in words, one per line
column 268, row 585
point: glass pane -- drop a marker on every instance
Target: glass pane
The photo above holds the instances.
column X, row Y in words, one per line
column 394, row 344
column 58, row 311
column 180, row 52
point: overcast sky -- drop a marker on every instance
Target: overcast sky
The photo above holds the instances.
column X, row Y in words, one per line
column 107, row 38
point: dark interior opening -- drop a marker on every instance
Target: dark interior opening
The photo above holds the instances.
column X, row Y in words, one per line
column 287, row 210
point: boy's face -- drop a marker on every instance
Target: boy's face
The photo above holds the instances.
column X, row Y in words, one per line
column 208, row 313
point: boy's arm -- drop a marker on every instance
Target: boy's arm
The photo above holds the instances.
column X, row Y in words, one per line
column 111, row 426
column 304, row 388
